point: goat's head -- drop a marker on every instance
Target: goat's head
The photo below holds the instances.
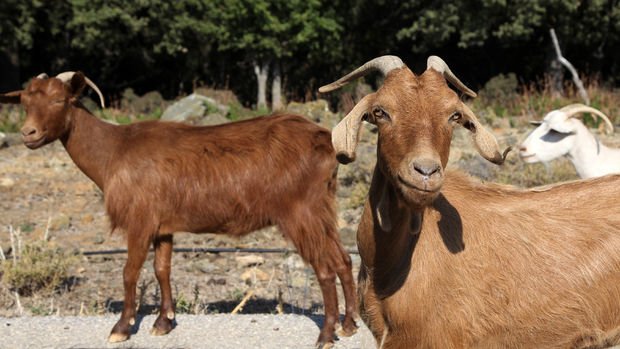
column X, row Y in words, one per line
column 415, row 116
column 48, row 103
column 556, row 134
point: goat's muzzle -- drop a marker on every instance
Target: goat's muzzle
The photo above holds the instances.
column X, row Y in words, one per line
column 420, row 181
column 32, row 137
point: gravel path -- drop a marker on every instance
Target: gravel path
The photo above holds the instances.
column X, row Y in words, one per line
column 192, row 331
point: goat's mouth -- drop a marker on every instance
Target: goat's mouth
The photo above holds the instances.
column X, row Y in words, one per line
column 34, row 144
column 426, row 186
column 528, row 157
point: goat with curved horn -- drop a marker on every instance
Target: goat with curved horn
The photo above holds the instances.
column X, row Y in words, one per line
column 561, row 133
column 449, row 262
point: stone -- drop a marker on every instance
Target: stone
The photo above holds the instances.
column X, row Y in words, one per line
column 317, row 111
column 6, row 182
column 254, row 274
column 249, row 260
column 196, row 109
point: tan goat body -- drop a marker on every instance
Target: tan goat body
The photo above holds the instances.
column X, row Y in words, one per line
column 448, row 262
column 162, row 177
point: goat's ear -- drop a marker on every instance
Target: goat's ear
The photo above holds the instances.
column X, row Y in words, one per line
column 484, row 140
column 346, row 134
column 77, row 84
column 11, row 97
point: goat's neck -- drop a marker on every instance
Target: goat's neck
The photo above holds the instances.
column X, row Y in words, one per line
column 587, row 153
column 387, row 235
column 90, row 142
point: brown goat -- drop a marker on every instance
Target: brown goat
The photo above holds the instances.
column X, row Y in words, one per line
column 448, row 262
column 159, row 178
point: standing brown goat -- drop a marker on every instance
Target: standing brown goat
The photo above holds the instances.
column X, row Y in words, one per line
column 159, row 178
column 448, row 262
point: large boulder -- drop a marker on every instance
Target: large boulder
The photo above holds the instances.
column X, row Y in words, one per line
column 196, row 109
column 317, row 111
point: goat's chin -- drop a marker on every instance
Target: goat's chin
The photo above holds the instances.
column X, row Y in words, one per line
column 35, row 143
column 419, row 195
column 529, row 158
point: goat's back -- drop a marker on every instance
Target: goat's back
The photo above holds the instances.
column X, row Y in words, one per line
column 230, row 178
column 531, row 268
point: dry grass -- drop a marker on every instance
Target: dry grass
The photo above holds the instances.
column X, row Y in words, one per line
column 35, row 266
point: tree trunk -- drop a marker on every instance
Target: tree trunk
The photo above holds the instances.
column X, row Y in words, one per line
column 262, row 72
column 276, row 88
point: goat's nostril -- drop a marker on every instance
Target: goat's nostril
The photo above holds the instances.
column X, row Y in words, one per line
column 426, row 168
column 28, row 131
column 522, row 149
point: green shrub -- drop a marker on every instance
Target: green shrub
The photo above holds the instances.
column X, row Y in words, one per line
column 38, row 266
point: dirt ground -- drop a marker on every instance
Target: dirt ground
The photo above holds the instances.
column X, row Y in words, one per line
column 42, row 190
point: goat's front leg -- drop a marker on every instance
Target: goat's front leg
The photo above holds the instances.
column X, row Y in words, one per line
column 163, row 256
column 137, row 250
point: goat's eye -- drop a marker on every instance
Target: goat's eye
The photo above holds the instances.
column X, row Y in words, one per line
column 380, row 114
column 58, row 101
column 456, row 117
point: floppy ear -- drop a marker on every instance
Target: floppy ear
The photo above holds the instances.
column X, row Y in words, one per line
column 346, row 134
column 485, row 142
column 11, row 97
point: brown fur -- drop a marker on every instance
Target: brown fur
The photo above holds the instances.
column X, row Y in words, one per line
column 159, row 178
column 471, row 265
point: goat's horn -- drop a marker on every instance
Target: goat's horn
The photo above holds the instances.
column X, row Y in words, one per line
column 572, row 110
column 42, row 76
column 384, row 64
column 66, row 77
column 440, row 66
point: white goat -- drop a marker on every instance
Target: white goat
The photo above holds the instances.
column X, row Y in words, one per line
column 559, row 133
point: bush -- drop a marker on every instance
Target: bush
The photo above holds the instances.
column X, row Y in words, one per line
column 37, row 266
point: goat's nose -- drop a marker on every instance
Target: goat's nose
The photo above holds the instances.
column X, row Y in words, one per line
column 28, row 131
column 426, row 167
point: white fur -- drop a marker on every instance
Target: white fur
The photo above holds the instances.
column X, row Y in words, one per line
column 558, row 136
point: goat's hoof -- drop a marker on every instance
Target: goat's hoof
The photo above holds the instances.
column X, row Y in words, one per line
column 158, row 331
column 346, row 331
column 327, row 345
column 118, row 337
column 163, row 325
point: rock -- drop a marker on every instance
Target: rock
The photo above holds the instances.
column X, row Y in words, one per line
column 252, row 275
column 249, row 260
column 317, row 111
column 205, row 266
column 196, row 109
column 7, row 182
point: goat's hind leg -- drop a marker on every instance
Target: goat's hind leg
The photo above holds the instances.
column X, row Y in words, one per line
column 162, row 263
column 137, row 249
column 343, row 267
column 327, row 281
